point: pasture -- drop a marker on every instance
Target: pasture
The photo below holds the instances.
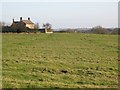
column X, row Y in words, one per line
column 59, row 60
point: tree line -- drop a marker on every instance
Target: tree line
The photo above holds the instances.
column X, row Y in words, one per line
column 48, row 26
column 94, row 30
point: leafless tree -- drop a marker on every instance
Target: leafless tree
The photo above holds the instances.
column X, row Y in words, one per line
column 48, row 26
column 36, row 26
column 2, row 24
column 115, row 31
column 99, row 30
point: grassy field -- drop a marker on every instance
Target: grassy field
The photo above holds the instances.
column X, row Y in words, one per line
column 59, row 60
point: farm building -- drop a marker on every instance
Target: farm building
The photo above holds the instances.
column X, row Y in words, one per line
column 28, row 23
column 45, row 30
column 22, row 25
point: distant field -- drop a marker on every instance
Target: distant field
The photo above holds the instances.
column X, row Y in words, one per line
column 59, row 60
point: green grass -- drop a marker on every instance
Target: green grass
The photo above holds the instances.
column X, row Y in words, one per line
column 59, row 60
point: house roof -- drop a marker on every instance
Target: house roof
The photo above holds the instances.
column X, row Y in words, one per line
column 27, row 22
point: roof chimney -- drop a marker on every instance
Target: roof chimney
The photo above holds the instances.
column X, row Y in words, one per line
column 13, row 20
column 20, row 18
column 29, row 18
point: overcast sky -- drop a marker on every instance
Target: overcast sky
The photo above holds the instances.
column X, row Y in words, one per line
column 67, row 14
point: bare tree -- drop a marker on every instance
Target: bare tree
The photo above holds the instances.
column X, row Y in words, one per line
column 116, row 31
column 47, row 26
column 36, row 26
column 99, row 30
column 2, row 24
